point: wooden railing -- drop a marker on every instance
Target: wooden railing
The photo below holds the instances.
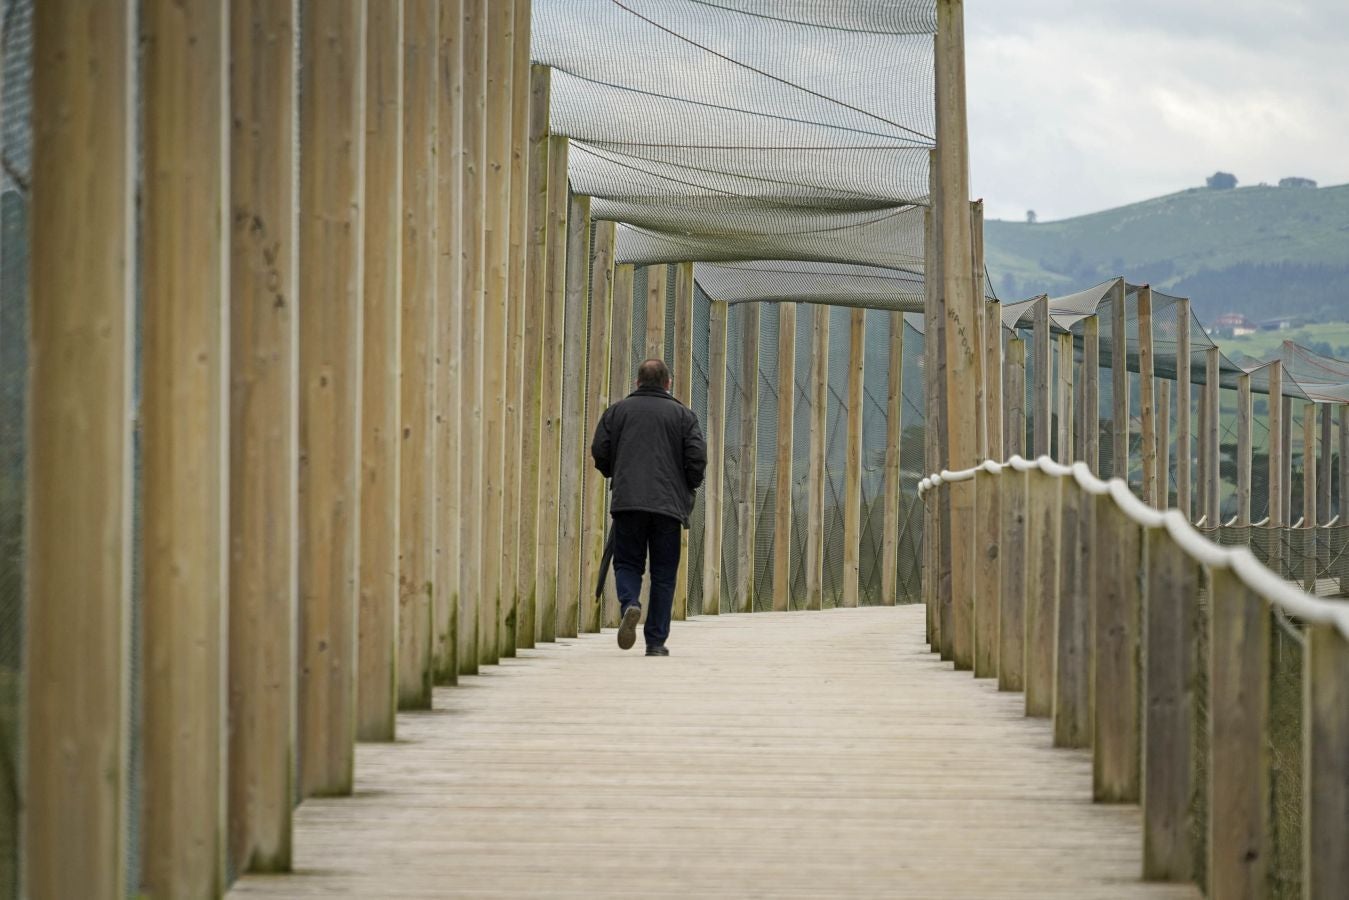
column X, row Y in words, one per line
column 1210, row 690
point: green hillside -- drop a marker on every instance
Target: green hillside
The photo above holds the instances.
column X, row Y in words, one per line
column 1260, row 251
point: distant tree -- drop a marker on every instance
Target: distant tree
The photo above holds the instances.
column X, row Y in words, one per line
column 1296, row 182
column 1222, row 181
column 1031, row 217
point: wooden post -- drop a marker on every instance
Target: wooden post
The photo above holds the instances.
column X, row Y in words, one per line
column 993, row 379
column 533, row 377
column 961, row 310
column 1326, row 768
column 782, row 528
column 595, row 521
column 657, row 288
column 1344, row 466
column 452, row 382
column 1119, row 387
column 1073, row 636
column 421, row 620
column 1015, row 382
column 716, row 457
column 988, row 577
column 894, row 432
column 1163, row 443
column 1147, row 397
column 1042, row 401
column 1184, row 451
column 1044, row 509
column 1065, row 406
column 852, row 484
column 388, row 656
column 332, row 151
column 747, row 489
column 184, row 435
column 1212, row 385
column 1091, row 393
column 1201, row 470
column 1277, row 449
column 263, row 462
column 1244, row 449
column 1015, row 588
column 682, row 363
column 1117, row 617
column 1309, row 492
column 473, row 281
column 1238, row 774
column 815, row 483
column 493, row 607
column 1323, row 498
column 1287, row 424
column 1169, row 633
column 79, row 450
column 1309, row 487
column 621, row 366
column 550, row 452
column 575, row 439
column 979, row 336
column 513, row 556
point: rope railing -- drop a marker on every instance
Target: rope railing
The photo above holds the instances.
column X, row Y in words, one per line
column 1208, row 688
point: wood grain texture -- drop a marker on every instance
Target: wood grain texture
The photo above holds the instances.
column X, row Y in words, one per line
column 1064, row 408
column 1172, row 664
column 595, row 515
column 1163, row 444
column 1184, row 446
column 1212, row 387
column 1078, row 558
column 1278, row 515
column 1015, row 382
column 1147, row 398
column 523, row 783
column 1091, row 393
column 1118, row 611
column 1041, row 399
column 422, row 621
column 988, row 575
column 332, row 162
column 532, row 376
column 815, row 479
column 183, row 440
column 782, row 490
column 472, row 246
column 657, row 295
column 1044, row 506
column 263, row 462
column 894, row 430
column 554, row 339
column 452, row 382
column 82, row 299
column 1245, row 449
column 1326, row 743
column 716, row 457
column 747, row 488
column 1239, row 851
column 852, row 483
column 575, row 439
column 1015, row 590
column 682, row 364
column 1119, row 383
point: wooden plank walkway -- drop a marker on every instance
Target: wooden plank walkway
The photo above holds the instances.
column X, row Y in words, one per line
column 775, row 755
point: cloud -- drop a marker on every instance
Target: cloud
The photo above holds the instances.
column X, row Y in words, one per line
column 1076, row 107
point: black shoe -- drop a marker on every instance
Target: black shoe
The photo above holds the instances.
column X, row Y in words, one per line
column 658, row 650
column 627, row 629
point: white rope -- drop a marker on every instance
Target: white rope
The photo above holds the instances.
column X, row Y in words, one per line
column 1264, row 582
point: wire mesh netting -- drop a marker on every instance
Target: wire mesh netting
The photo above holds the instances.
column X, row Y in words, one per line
column 16, row 154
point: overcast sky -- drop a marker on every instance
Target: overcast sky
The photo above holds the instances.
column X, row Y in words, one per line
column 1081, row 105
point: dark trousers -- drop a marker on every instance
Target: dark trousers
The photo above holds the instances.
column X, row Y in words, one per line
column 635, row 535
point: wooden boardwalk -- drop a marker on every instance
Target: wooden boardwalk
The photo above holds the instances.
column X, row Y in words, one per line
column 777, row 755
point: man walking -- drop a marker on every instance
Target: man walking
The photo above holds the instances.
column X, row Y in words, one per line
column 651, row 446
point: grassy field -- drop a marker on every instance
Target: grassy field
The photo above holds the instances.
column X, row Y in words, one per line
column 1260, row 251
column 1261, row 344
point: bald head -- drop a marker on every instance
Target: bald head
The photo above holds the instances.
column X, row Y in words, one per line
column 653, row 373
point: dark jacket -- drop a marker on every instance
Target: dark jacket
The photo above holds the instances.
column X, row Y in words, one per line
column 651, row 446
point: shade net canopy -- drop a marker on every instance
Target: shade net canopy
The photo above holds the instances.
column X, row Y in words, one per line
column 749, row 130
